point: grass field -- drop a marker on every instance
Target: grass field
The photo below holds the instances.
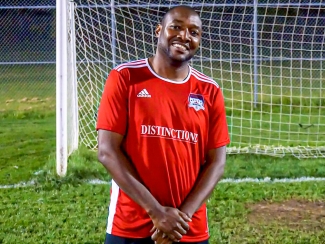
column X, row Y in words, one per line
column 71, row 210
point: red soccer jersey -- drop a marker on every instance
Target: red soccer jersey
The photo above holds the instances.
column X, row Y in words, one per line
column 168, row 128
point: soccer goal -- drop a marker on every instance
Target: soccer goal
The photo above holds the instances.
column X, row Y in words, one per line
column 267, row 55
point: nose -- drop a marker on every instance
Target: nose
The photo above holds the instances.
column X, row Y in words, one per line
column 184, row 35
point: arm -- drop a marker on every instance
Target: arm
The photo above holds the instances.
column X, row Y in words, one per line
column 169, row 220
column 125, row 176
column 211, row 173
column 213, row 168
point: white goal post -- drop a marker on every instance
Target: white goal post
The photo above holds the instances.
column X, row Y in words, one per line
column 267, row 55
column 67, row 124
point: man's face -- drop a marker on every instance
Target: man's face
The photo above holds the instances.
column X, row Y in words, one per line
column 179, row 35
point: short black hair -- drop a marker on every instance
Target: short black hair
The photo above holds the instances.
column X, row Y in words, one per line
column 179, row 6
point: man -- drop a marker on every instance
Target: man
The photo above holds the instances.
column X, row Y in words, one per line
column 162, row 136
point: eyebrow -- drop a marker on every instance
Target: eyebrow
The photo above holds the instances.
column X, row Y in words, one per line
column 180, row 21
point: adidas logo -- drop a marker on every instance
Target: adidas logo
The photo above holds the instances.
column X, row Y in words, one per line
column 144, row 93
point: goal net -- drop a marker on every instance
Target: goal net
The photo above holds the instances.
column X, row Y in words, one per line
column 267, row 55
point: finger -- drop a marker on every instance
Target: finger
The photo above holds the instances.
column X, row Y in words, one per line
column 163, row 241
column 170, row 242
column 172, row 238
column 185, row 217
column 183, row 225
column 160, row 240
column 167, row 241
column 180, row 229
column 175, row 235
column 154, row 228
column 155, row 235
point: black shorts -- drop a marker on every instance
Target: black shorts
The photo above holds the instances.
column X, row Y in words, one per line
column 110, row 239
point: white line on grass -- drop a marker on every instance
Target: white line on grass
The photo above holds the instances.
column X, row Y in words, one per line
column 227, row 180
column 18, row 185
column 243, row 180
column 270, row 180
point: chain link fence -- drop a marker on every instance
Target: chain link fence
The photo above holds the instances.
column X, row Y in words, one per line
column 287, row 80
column 27, row 54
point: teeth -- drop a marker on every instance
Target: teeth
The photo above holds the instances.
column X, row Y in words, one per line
column 180, row 46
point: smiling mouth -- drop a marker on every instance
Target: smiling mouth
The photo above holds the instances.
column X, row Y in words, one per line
column 180, row 47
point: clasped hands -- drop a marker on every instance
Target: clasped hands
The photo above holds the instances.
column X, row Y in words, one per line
column 170, row 224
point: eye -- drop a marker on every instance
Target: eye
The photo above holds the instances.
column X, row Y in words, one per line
column 175, row 27
column 194, row 33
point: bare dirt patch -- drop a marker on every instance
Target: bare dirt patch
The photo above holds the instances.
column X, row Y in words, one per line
column 25, row 99
column 294, row 214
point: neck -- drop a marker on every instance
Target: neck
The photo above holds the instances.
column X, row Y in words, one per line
column 169, row 69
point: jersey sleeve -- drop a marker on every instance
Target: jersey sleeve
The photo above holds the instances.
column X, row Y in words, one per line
column 218, row 135
column 112, row 111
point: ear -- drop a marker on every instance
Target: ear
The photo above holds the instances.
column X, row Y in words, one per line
column 158, row 30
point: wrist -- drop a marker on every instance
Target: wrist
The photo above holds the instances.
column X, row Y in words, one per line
column 187, row 210
column 153, row 210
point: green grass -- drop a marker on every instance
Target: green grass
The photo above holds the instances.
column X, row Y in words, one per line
column 25, row 147
column 72, row 213
column 229, row 213
column 68, row 210
column 66, row 214
column 25, row 88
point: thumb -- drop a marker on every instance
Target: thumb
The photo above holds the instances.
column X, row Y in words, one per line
column 154, row 236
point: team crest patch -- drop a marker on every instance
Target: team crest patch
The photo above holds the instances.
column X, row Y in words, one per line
column 196, row 101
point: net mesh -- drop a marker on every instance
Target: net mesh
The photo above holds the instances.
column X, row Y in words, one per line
column 72, row 107
column 267, row 56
